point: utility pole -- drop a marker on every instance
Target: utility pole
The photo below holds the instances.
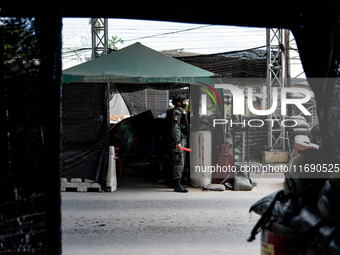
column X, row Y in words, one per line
column 99, row 30
column 276, row 77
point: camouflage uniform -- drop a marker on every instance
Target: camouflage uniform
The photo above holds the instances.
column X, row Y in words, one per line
column 179, row 130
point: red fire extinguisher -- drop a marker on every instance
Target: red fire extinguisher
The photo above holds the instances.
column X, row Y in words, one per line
column 278, row 239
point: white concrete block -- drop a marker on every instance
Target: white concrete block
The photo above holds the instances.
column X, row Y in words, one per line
column 75, row 180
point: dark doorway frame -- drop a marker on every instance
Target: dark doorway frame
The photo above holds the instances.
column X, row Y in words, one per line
column 314, row 25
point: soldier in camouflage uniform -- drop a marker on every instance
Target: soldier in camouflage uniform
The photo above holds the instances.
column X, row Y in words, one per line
column 179, row 133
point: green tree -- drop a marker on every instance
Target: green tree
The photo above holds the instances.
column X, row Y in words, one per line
column 19, row 38
column 113, row 42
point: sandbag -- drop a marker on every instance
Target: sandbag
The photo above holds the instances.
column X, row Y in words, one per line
column 242, row 183
column 297, row 117
column 215, row 187
column 300, row 131
column 301, row 123
column 307, row 219
column 262, row 205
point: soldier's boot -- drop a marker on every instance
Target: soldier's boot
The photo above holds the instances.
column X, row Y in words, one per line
column 178, row 187
column 172, row 184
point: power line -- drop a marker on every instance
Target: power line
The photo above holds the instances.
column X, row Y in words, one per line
column 168, row 33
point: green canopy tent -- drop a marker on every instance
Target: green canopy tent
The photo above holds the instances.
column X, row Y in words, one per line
column 136, row 64
column 86, row 97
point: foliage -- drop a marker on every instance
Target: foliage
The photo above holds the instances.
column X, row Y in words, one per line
column 19, row 38
column 114, row 41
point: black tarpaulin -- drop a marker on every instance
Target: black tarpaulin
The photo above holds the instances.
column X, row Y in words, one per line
column 85, row 131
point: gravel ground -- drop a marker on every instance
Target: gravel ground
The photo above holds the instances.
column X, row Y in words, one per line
column 149, row 218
